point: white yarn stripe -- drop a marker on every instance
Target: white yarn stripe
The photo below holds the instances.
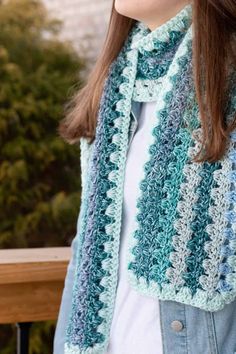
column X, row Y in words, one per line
column 231, row 277
column 147, row 90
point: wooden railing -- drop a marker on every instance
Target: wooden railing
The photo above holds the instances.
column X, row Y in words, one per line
column 31, row 284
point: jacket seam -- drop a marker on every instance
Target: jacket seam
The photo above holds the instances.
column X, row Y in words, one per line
column 212, row 333
column 162, row 328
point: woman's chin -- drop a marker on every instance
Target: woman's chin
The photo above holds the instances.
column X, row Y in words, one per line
column 128, row 9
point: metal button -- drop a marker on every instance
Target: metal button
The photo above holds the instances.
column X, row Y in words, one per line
column 177, row 326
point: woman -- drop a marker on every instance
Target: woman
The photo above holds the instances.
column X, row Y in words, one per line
column 153, row 269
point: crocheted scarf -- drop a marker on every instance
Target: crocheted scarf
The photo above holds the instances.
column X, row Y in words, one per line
column 183, row 246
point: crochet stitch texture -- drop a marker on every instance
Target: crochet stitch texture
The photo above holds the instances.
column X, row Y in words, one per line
column 183, row 247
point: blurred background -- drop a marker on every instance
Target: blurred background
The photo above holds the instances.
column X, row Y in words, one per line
column 47, row 49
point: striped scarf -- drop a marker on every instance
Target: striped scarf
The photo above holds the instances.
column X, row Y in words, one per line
column 183, row 246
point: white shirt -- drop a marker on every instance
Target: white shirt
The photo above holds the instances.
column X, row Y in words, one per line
column 135, row 325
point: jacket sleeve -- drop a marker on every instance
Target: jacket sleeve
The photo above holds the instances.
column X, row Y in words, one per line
column 85, row 153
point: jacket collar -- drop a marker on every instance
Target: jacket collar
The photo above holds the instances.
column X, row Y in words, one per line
column 135, row 109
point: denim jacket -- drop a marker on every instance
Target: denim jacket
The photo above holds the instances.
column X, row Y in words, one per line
column 185, row 329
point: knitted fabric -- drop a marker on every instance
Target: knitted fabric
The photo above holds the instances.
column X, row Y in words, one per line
column 183, row 247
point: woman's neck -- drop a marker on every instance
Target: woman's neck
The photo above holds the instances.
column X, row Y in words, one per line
column 162, row 17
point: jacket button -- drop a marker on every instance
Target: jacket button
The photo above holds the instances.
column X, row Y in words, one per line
column 177, row 326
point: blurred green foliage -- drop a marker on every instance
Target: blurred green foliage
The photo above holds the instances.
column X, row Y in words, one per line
column 39, row 172
column 41, row 338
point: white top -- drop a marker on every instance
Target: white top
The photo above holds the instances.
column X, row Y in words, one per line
column 136, row 321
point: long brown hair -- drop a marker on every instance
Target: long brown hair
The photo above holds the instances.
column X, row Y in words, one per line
column 213, row 52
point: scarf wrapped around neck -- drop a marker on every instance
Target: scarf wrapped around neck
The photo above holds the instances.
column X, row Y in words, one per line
column 183, row 246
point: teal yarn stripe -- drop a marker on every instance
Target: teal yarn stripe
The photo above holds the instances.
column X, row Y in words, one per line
column 162, row 247
column 156, row 205
column 194, row 261
column 89, row 300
